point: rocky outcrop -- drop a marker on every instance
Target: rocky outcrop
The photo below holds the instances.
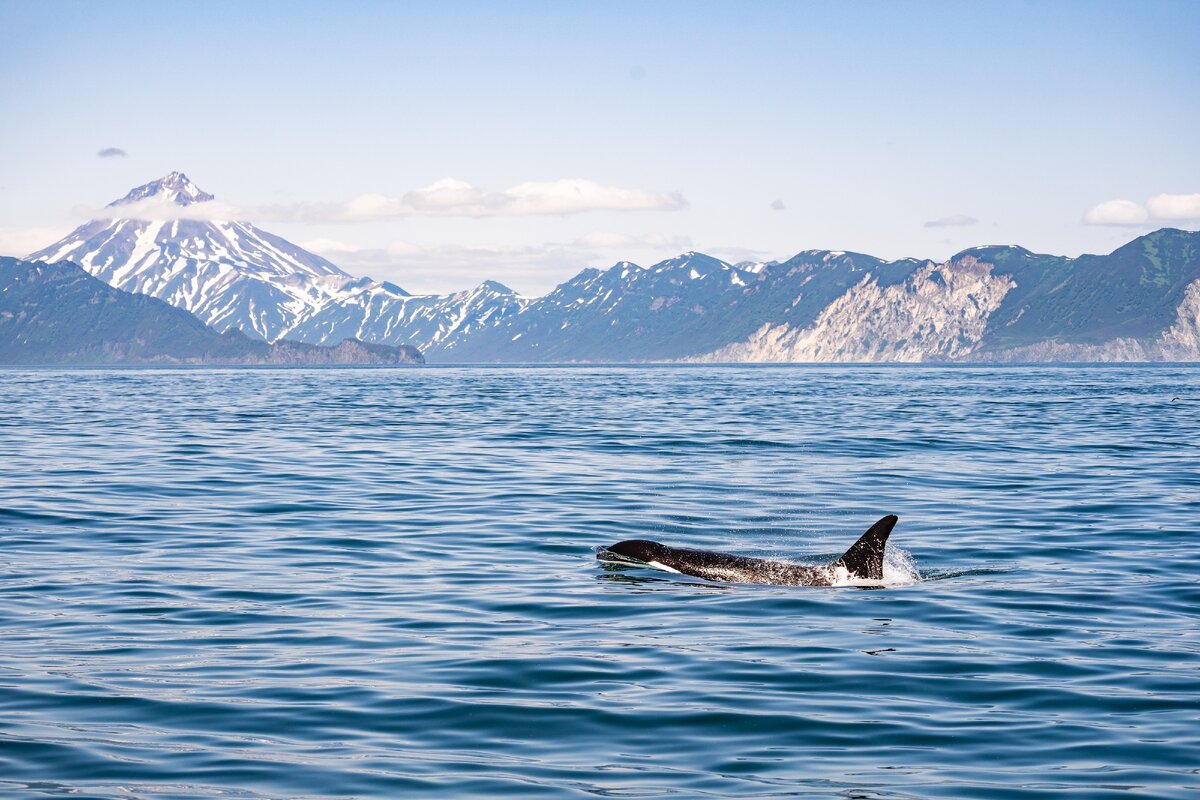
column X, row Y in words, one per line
column 938, row 313
column 1181, row 342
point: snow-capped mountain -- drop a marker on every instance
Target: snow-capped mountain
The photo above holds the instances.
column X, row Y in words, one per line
column 229, row 274
column 441, row 323
column 236, row 275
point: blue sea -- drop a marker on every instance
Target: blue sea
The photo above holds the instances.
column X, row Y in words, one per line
column 293, row 583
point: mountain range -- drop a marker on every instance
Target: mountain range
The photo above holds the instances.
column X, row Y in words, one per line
column 997, row 303
column 55, row 313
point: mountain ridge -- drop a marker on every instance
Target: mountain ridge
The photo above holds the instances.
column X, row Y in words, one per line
column 988, row 302
column 56, row 313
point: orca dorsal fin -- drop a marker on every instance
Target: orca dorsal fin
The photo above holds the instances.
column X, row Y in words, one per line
column 865, row 557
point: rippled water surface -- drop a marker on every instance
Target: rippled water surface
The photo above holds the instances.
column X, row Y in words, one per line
column 383, row 583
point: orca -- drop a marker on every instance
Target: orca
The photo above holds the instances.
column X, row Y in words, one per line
column 863, row 562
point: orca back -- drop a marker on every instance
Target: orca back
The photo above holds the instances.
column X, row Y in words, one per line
column 863, row 561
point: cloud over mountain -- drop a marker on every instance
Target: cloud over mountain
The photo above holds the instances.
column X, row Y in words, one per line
column 1168, row 207
column 452, row 197
column 1158, row 209
column 447, row 197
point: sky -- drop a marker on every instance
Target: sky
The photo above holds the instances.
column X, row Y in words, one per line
column 438, row 145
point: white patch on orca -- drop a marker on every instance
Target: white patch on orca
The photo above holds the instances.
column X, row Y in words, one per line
column 663, row 567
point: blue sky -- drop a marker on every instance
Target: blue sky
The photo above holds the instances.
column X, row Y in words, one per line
column 749, row 131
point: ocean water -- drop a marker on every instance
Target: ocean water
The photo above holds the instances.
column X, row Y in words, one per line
column 383, row 583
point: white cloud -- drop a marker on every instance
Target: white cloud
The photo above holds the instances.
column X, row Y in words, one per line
column 1116, row 212
column 448, row 197
column 1162, row 208
column 303, row 213
column 158, row 208
column 451, row 197
column 573, row 196
column 446, row 194
column 20, row 242
column 952, row 221
column 371, row 206
column 778, row 205
column 1174, row 206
